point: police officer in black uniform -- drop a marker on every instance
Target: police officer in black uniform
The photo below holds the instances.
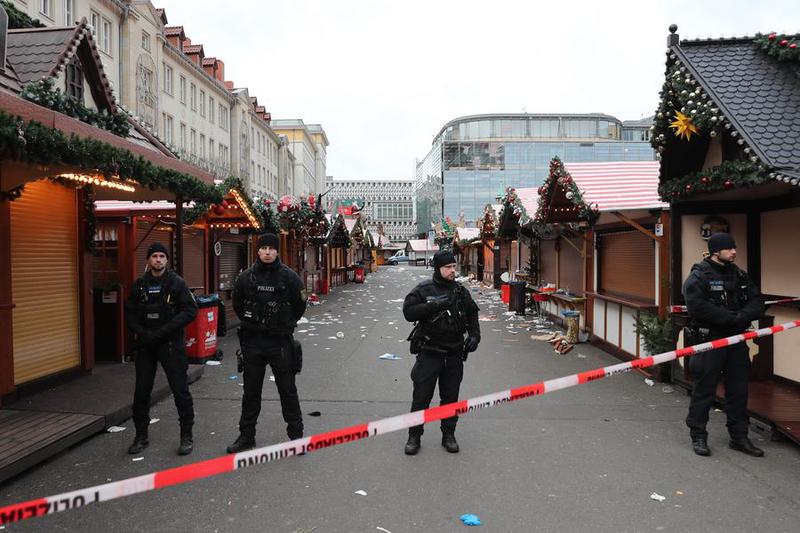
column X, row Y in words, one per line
column 159, row 307
column 443, row 311
column 722, row 301
column 269, row 299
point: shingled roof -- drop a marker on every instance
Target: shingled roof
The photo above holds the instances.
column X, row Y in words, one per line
column 758, row 94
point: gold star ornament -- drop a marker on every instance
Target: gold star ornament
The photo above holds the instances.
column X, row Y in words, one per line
column 683, row 126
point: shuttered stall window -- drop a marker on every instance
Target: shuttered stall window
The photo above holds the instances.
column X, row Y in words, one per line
column 44, row 281
column 231, row 262
column 488, row 261
column 145, row 237
column 548, row 262
column 570, row 266
column 194, row 259
column 505, row 255
column 627, row 265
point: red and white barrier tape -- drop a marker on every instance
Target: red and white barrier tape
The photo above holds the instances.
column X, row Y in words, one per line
column 683, row 309
column 228, row 463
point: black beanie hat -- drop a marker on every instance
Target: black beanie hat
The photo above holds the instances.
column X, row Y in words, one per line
column 269, row 239
column 720, row 241
column 442, row 258
column 157, row 247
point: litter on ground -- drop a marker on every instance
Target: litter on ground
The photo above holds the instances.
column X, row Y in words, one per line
column 470, row 520
column 115, row 429
column 390, row 357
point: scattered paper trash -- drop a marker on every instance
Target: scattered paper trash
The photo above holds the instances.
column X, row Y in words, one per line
column 470, row 520
column 213, row 363
column 137, row 459
column 379, row 528
column 667, row 389
column 233, row 377
column 390, row 357
column 272, row 378
column 657, row 497
column 649, row 382
column 155, row 420
column 303, row 320
column 360, row 492
column 340, row 334
column 679, row 492
column 115, row 429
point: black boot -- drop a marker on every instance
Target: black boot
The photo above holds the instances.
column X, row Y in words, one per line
column 242, row 443
column 413, row 444
column 187, row 442
column 745, row 446
column 140, row 442
column 700, row 447
column 449, row 442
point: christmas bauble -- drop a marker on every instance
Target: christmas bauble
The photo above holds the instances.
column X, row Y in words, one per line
column 783, row 42
column 224, row 204
column 771, row 36
column 705, row 180
column 688, row 187
column 219, row 210
column 728, row 184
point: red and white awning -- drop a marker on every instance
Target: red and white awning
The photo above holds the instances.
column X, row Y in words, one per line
column 618, row 186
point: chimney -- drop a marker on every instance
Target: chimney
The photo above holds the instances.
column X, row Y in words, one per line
column 186, row 42
column 219, row 70
column 210, row 66
column 229, row 85
column 268, row 118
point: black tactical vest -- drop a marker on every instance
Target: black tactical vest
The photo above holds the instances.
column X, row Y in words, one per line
column 267, row 303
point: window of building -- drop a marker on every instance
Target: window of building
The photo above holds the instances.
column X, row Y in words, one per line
column 193, row 141
column 145, row 41
column 193, row 96
column 74, row 75
column 168, row 128
column 69, row 12
column 45, row 8
column 182, row 139
column 211, row 148
column 211, row 109
column 94, row 18
column 182, row 89
column 105, row 38
column 202, row 146
column 223, row 117
column 202, row 103
column 167, row 71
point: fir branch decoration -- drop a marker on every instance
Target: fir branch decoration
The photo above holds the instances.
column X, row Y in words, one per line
column 656, row 333
column 37, row 144
column 780, row 46
column 728, row 175
column 18, row 19
column 559, row 177
column 47, row 95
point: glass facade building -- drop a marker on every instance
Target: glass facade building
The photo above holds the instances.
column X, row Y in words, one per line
column 474, row 159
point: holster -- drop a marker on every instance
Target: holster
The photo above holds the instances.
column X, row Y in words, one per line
column 297, row 355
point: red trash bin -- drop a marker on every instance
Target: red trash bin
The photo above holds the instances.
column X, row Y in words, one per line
column 201, row 333
column 505, row 292
column 358, row 275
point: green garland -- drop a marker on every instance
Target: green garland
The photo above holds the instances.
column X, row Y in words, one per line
column 681, row 93
column 271, row 222
column 781, row 47
column 47, row 95
column 17, row 19
column 512, row 206
column 728, row 175
column 559, row 177
column 200, row 208
column 37, row 144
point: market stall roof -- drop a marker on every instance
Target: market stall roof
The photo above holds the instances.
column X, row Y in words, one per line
column 467, row 234
column 421, row 245
column 618, row 186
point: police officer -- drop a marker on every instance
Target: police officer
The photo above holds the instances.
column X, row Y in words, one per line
column 722, row 301
column 269, row 300
column 159, row 307
column 443, row 311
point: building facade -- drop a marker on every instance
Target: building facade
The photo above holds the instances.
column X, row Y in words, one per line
column 474, row 159
column 308, row 144
column 388, row 205
column 256, row 146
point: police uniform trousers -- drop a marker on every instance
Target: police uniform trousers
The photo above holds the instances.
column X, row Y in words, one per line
column 733, row 363
column 429, row 368
column 258, row 351
column 175, row 365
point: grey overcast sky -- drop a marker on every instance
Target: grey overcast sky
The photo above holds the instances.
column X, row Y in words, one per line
column 383, row 77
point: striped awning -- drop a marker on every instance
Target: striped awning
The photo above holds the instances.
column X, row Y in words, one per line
column 617, row 186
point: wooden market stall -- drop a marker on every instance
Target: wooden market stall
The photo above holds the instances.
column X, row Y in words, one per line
column 730, row 165
column 337, row 244
column 53, row 169
column 490, row 263
column 385, row 248
column 467, row 245
column 420, row 250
